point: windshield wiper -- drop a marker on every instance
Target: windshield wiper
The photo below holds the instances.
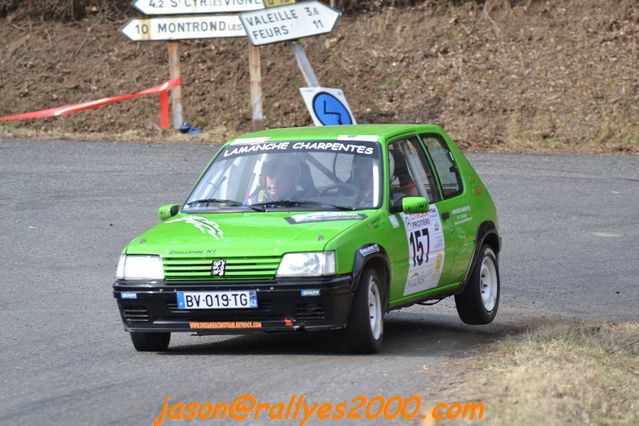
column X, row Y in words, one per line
column 214, row 200
column 221, row 201
column 295, row 203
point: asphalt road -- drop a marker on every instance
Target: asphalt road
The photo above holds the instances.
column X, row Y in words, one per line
column 570, row 226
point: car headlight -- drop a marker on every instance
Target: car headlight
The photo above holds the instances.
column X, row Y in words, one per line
column 310, row 264
column 139, row 267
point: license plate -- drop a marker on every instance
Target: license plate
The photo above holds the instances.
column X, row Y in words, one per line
column 217, row 299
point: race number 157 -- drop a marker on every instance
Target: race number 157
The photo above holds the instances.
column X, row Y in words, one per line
column 417, row 246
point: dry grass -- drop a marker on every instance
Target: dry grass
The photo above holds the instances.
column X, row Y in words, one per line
column 215, row 136
column 586, row 374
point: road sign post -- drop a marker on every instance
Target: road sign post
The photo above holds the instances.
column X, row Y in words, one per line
column 304, row 64
column 255, row 75
column 176, row 93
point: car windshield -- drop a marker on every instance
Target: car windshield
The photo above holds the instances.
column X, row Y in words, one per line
column 290, row 175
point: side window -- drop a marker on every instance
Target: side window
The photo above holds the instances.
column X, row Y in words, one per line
column 444, row 165
column 410, row 173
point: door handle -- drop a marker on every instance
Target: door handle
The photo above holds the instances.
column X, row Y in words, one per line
column 445, row 215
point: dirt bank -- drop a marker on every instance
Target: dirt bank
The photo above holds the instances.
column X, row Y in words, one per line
column 560, row 75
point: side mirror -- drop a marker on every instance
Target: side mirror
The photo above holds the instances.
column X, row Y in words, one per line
column 168, row 211
column 415, row 205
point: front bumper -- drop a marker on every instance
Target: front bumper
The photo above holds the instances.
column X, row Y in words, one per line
column 281, row 306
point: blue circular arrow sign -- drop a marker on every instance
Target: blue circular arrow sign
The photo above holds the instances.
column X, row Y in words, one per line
column 330, row 111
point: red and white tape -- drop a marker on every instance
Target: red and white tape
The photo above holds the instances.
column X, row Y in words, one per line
column 162, row 89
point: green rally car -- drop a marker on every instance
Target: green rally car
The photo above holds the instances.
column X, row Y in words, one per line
column 321, row 228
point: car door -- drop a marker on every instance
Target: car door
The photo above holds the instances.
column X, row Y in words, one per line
column 455, row 209
column 428, row 255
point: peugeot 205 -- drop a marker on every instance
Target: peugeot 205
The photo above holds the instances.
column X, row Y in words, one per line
column 323, row 228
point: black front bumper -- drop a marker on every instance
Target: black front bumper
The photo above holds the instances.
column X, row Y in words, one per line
column 281, row 306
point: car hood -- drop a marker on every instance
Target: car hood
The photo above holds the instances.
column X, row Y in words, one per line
column 243, row 234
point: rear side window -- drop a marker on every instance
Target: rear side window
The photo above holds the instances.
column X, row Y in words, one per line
column 445, row 166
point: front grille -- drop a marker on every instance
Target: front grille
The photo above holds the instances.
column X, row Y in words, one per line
column 172, row 307
column 310, row 311
column 237, row 268
column 136, row 314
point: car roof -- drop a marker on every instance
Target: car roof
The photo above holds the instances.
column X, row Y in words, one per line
column 383, row 131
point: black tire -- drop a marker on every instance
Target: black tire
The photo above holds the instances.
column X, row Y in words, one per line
column 150, row 342
column 360, row 334
column 478, row 305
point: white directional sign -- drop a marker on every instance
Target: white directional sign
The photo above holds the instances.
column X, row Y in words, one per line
column 290, row 22
column 186, row 7
column 183, row 27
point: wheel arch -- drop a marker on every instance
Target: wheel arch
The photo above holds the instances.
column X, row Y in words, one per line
column 373, row 256
column 486, row 234
column 490, row 237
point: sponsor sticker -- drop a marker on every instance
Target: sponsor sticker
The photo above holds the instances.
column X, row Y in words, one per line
column 324, row 216
column 369, row 250
column 206, row 226
column 226, row 324
column 462, row 215
column 426, row 250
column 361, row 148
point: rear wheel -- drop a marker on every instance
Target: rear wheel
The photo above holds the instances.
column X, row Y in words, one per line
column 150, row 342
column 365, row 329
column 479, row 302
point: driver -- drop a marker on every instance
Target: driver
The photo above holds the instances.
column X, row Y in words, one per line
column 278, row 177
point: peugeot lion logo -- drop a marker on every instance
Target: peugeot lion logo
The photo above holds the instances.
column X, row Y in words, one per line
column 218, row 267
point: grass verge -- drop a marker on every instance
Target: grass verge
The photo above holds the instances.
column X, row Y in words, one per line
column 215, row 136
column 558, row 374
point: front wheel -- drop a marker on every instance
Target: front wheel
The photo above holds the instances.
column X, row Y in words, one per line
column 479, row 302
column 150, row 342
column 365, row 329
